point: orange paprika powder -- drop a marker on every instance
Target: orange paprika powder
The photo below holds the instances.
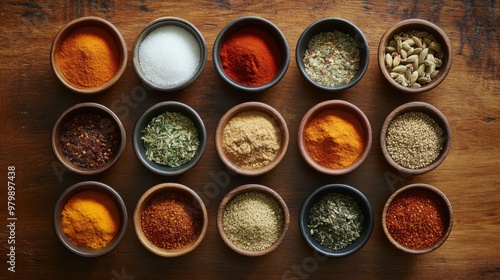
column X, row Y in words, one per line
column 250, row 56
column 334, row 139
column 88, row 57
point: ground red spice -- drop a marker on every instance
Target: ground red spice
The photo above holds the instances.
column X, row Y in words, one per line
column 416, row 219
column 171, row 221
column 89, row 141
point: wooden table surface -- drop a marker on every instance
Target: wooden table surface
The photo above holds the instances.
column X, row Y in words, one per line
column 32, row 99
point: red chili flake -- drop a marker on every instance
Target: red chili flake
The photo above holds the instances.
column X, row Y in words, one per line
column 416, row 219
column 171, row 221
column 89, row 141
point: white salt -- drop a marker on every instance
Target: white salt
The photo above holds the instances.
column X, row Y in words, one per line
column 169, row 55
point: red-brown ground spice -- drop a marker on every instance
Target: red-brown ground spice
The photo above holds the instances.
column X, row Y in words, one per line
column 171, row 221
column 416, row 219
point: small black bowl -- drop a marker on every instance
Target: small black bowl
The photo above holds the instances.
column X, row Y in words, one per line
column 330, row 25
column 145, row 119
column 363, row 203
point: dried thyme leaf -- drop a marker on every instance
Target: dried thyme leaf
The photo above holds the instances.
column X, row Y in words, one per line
column 331, row 58
column 171, row 139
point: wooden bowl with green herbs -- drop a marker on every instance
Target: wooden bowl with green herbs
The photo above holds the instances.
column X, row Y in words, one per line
column 169, row 138
column 415, row 138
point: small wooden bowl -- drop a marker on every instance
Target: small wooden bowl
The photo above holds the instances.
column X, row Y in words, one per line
column 66, row 196
column 251, row 106
column 364, row 205
column 145, row 119
column 197, row 205
column 252, row 188
column 87, row 108
column 258, row 22
column 330, row 25
column 81, row 22
column 169, row 21
column 340, row 105
column 448, row 222
column 418, row 25
column 434, row 113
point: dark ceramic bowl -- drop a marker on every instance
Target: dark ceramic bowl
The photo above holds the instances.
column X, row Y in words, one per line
column 338, row 105
column 363, row 203
column 435, row 114
column 145, row 119
column 330, row 25
column 418, row 25
column 257, row 22
column 66, row 196
column 67, row 30
column 252, row 188
column 144, row 201
column 169, row 21
column 87, row 108
column 448, row 217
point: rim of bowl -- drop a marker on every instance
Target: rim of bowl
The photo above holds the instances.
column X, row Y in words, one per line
column 363, row 203
column 449, row 213
column 154, row 111
column 335, row 104
column 84, row 108
column 436, row 115
column 249, row 188
column 167, row 21
column 260, row 23
column 331, row 24
column 89, row 21
column 416, row 24
column 252, row 106
column 67, row 195
column 144, row 201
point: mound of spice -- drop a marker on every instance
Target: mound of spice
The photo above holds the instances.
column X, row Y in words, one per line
column 169, row 55
column 88, row 57
column 334, row 139
column 171, row 139
column 250, row 56
column 416, row 219
column 90, row 219
column 171, row 220
column 331, row 58
column 89, row 141
column 253, row 221
column 336, row 221
column 251, row 139
column 414, row 140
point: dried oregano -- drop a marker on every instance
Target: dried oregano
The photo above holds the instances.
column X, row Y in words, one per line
column 335, row 221
column 331, row 58
column 171, row 139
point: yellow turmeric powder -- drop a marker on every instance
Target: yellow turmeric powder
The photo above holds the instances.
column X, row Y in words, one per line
column 90, row 219
column 88, row 57
column 334, row 139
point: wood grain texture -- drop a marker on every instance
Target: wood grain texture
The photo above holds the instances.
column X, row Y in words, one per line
column 32, row 99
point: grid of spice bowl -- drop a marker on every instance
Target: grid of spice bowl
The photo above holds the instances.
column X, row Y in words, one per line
column 253, row 220
column 169, row 54
column 255, row 39
column 342, row 233
column 169, row 138
column 88, row 138
column 170, row 220
column 334, row 38
column 415, row 138
column 90, row 219
column 414, row 55
column 251, row 138
column 334, row 137
column 104, row 59
column 417, row 218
